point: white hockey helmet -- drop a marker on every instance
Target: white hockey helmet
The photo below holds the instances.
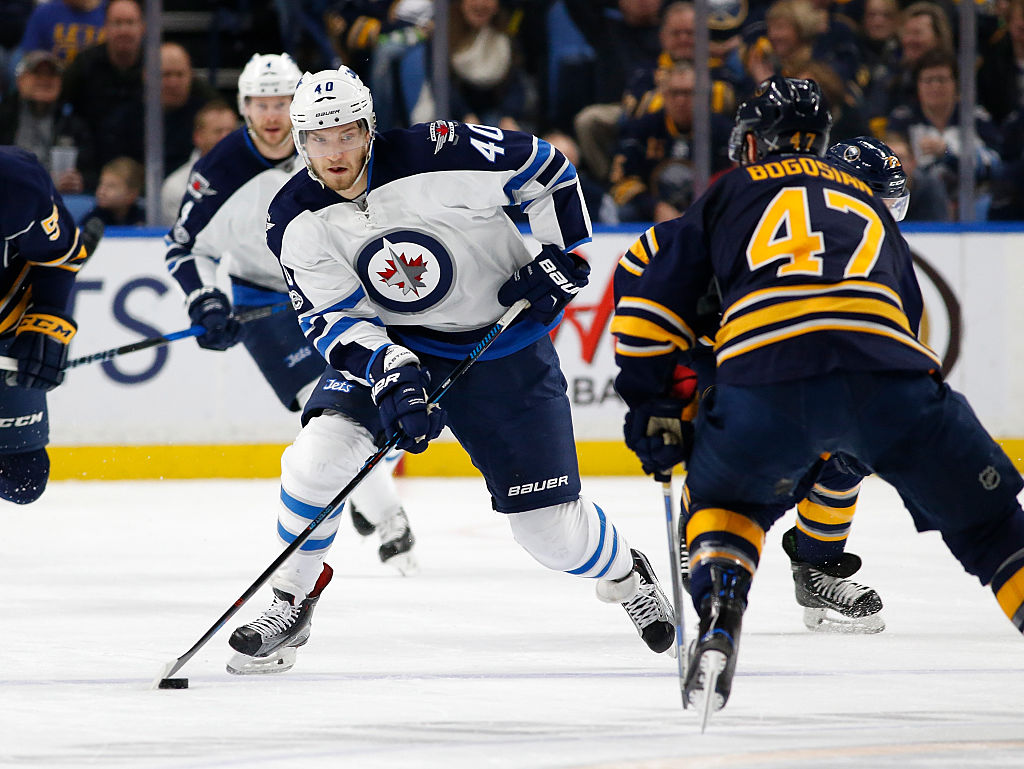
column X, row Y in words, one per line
column 270, row 74
column 331, row 97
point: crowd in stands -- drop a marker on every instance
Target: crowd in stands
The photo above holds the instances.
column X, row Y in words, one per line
column 611, row 82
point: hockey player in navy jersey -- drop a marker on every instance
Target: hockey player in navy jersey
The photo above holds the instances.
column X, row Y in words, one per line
column 817, row 355
column 399, row 258
column 221, row 218
column 817, row 544
column 43, row 252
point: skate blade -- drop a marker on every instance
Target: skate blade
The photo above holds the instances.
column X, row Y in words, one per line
column 825, row 621
column 706, row 700
column 404, row 563
column 279, row 662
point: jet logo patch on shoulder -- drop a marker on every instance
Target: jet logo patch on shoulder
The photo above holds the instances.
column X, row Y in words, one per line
column 199, row 187
column 443, row 132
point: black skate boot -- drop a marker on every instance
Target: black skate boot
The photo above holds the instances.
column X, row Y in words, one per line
column 362, row 526
column 268, row 644
column 712, row 658
column 645, row 603
column 832, row 603
column 397, row 541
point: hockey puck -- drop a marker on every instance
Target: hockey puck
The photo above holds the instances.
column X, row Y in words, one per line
column 173, row 683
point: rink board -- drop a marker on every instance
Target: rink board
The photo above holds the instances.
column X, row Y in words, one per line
column 181, row 412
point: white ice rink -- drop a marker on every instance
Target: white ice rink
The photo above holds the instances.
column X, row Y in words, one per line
column 484, row 660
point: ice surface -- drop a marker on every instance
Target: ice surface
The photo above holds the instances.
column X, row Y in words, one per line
column 484, row 660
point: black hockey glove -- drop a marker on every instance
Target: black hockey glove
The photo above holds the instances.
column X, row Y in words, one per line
column 209, row 308
column 41, row 348
column 550, row 282
column 399, row 388
column 660, row 431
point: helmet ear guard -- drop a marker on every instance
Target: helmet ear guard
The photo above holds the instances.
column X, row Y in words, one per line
column 785, row 115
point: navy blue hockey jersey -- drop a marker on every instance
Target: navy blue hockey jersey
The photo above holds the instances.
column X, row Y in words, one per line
column 812, row 271
column 42, row 251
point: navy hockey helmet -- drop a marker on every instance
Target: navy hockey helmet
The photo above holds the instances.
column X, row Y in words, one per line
column 784, row 115
column 874, row 163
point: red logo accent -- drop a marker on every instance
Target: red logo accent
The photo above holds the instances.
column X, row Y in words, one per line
column 599, row 316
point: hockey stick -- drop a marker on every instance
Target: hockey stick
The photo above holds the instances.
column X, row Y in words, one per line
column 495, row 331
column 11, row 364
column 677, row 583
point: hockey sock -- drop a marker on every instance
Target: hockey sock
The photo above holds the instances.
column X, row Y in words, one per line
column 823, row 522
column 722, row 538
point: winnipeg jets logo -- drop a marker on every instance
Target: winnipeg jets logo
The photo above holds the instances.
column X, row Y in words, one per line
column 199, row 187
column 403, row 273
column 441, row 132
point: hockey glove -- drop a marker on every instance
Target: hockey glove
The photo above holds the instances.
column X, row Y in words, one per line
column 550, row 282
column 41, row 348
column 660, row 431
column 209, row 308
column 399, row 388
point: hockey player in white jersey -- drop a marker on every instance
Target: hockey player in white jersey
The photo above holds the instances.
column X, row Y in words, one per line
column 399, row 258
column 221, row 218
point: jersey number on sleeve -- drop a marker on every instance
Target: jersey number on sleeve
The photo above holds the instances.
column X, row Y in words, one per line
column 51, row 224
column 488, row 149
column 785, row 233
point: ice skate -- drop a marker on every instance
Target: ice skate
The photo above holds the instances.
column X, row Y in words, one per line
column 832, row 603
column 645, row 603
column 712, row 657
column 362, row 526
column 396, row 548
column 268, row 644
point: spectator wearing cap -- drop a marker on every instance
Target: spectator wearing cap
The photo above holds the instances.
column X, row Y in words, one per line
column 65, row 28
column 103, row 87
column 31, row 119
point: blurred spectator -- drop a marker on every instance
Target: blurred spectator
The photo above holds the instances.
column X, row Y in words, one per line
column 836, row 44
column 214, row 120
column 117, row 196
column 652, row 174
column 64, row 27
column 880, row 50
column 103, row 86
column 848, row 119
column 374, row 37
column 30, row 118
column 791, row 29
column 929, row 201
column 599, row 203
column 932, row 123
column 1001, row 76
column 487, row 83
column 15, row 15
column 924, row 27
column 1008, row 182
column 182, row 94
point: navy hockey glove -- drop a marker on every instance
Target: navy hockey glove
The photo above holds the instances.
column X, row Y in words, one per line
column 41, row 348
column 660, row 431
column 399, row 388
column 209, row 308
column 550, row 282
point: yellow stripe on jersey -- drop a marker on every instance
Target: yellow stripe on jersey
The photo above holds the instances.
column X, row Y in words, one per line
column 647, row 351
column 629, row 266
column 1011, row 594
column 812, row 289
column 646, row 329
column 786, row 311
column 718, row 519
column 824, row 324
column 674, row 325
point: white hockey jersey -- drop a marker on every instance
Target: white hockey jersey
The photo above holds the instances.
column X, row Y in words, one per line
column 221, row 217
column 419, row 261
